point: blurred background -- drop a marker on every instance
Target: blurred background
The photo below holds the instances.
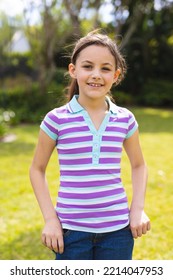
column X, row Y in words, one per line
column 36, row 39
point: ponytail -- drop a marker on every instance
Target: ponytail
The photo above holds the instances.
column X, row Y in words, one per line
column 72, row 89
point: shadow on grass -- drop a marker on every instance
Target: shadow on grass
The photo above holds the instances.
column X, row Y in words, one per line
column 26, row 246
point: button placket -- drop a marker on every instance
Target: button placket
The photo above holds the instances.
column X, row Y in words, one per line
column 97, row 135
column 96, row 148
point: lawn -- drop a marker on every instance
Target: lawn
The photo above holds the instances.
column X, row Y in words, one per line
column 20, row 218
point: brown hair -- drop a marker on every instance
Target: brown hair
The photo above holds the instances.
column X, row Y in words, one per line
column 96, row 38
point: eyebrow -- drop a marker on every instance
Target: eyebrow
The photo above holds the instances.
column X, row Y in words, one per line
column 88, row 61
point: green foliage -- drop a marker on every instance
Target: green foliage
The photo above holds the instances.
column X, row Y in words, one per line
column 11, row 64
column 28, row 104
column 3, row 128
column 157, row 93
column 5, row 120
column 122, row 98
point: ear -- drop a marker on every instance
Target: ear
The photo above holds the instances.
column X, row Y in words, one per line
column 116, row 75
column 71, row 70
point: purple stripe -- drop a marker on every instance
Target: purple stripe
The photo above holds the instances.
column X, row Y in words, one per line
column 111, row 149
column 132, row 126
column 73, row 130
column 75, row 150
column 116, row 129
column 75, row 161
column 75, row 140
column 113, row 138
column 93, row 214
column 52, row 117
column 90, row 183
column 89, row 172
column 66, row 120
column 119, row 120
column 90, row 195
column 93, row 206
column 97, row 225
column 109, row 160
column 51, row 128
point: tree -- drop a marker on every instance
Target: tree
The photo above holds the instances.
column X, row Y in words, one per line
column 46, row 38
column 79, row 10
column 6, row 32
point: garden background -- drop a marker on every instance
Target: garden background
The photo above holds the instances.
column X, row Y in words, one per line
column 33, row 62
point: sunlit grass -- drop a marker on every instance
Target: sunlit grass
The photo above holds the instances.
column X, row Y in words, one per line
column 20, row 218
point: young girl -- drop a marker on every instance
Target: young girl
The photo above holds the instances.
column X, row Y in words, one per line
column 91, row 219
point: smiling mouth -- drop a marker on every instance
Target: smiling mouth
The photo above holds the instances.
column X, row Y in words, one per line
column 94, row 85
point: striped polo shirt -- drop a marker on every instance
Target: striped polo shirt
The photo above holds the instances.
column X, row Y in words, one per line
column 91, row 195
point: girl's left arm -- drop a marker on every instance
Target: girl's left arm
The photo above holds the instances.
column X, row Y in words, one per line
column 139, row 221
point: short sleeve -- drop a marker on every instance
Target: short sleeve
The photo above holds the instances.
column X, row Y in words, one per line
column 50, row 125
column 132, row 125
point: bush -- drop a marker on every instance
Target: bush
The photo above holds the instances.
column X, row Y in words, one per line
column 28, row 104
column 157, row 93
column 122, row 98
column 5, row 121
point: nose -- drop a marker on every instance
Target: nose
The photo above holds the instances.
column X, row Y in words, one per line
column 96, row 74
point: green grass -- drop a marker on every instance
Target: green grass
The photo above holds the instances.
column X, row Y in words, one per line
column 20, row 218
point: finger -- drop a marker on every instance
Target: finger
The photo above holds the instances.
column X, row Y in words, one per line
column 139, row 231
column 144, row 230
column 55, row 246
column 134, row 233
column 48, row 243
column 43, row 239
column 148, row 226
column 61, row 244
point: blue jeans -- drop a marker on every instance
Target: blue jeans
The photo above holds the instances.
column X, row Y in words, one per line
column 116, row 245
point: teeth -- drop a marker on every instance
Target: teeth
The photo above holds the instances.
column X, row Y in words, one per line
column 95, row 85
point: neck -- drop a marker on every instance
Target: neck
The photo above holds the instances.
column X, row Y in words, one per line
column 93, row 105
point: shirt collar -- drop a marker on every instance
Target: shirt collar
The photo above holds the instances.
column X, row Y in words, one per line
column 75, row 107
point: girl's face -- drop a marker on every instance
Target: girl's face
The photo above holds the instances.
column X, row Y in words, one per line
column 95, row 71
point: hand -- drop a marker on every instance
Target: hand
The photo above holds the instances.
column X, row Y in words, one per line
column 52, row 235
column 139, row 223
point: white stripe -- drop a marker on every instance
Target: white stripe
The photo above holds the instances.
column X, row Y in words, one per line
column 91, row 178
column 74, row 124
column 74, row 134
column 89, row 190
column 112, row 155
column 75, row 156
column 75, row 145
column 111, row 144
column 90, row 166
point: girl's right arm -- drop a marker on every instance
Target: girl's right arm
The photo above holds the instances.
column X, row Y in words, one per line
column 52, row 235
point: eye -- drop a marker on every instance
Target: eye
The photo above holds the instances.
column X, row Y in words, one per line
column 87, row 66
column 106, row 69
